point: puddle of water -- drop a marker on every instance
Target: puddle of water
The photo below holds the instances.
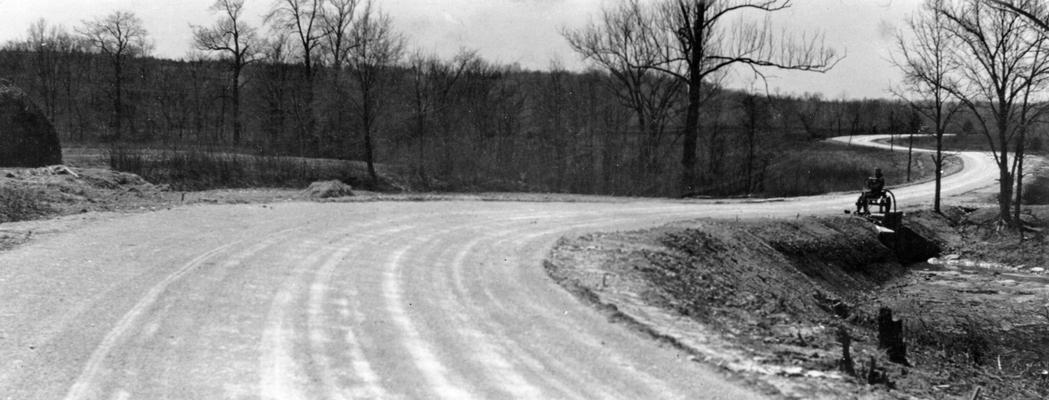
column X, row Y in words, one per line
column 981, row 267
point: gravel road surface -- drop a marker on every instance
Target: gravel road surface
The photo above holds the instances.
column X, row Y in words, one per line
column 400, row 300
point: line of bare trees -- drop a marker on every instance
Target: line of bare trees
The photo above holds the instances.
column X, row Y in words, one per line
column 458, row 123
column 989, row 57
column 690, row 43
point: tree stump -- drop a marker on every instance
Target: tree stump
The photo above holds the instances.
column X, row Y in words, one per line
column 846, row 363
column 890, row 337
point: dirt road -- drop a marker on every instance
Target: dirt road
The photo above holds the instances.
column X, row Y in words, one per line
column 341, row 301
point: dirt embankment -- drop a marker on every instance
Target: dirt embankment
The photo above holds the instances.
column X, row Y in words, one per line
column 33, row 193
column 768, row 300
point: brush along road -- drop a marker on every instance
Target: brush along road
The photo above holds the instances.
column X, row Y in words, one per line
column 415, row 300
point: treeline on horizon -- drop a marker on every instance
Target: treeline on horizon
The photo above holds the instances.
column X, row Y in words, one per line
column 462, row 123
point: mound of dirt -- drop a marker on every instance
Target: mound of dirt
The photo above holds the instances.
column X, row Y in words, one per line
column 30, row 193
column 27, row 138
column 327, row 190
column 758, row 297
column 770, row 300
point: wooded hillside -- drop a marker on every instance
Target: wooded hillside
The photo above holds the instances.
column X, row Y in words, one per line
column 456, row 124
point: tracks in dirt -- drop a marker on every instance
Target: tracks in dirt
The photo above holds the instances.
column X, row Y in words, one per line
column 378, row 300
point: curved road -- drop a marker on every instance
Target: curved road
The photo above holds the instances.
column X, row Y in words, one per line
column 400, row 300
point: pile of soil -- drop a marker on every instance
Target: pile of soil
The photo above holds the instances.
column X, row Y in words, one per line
column 31, row 193
column 771, row 299
column 327, row 190
column 758, row 298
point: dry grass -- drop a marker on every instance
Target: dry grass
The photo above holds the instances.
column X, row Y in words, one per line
column 202, row 170
column 813, row 169
column 20, row 204
column 978, row 142
column 826, row 168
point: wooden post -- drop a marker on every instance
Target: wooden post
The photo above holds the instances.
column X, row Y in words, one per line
column 890, row 336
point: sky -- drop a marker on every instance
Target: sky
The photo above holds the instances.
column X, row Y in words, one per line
column 528, row 32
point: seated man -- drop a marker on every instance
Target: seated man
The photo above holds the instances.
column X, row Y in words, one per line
column 875, row 184
column 875, row 188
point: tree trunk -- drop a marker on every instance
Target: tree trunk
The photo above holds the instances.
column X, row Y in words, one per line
column 910, row 152
column 118, row 113
column 1020, row 150
column 237, row 127
column 1005, row 179
column 1005, row 196
column 688, row 156
column 420, row 131
column 938, row 161
column 369, row 153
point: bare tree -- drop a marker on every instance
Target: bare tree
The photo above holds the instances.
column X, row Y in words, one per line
column 689, row 41
column 1000, row 63
column 376, row 48
column 809, row 109
column 337, row 20
column 432, row 81
column 54, row 58
column 303, row 20
column 1036, row 14
column 235, row 40
column 695, row 41
column 275, row 76
column 755, row 118
column 1031, row 111
column 46, row 60
column 621, row 43
column 120, row 36
column 924, row 60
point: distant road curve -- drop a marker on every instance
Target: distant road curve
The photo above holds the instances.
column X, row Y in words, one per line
column 400, row 300
column 979, row 171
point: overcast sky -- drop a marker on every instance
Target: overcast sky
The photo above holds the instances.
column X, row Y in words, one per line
column 526, row 32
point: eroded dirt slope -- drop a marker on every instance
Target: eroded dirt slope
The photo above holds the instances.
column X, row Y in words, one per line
column 768, row 299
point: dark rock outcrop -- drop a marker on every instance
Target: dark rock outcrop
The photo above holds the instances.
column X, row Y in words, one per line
column 27, row 138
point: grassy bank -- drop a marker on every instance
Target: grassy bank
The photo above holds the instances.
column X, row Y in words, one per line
column 972, row 142
column 829, row 167
column 815, row 168
column 199, row 169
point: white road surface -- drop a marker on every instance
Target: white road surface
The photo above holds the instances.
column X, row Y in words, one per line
column 385, row 300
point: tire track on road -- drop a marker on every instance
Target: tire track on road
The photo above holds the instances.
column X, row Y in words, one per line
column 282, row 376
column 85, row 383
column 433, row 371
column 501, row 378
column 367, row 383
column 511, row 268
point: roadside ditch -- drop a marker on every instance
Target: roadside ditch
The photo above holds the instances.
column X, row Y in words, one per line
column 773, row 302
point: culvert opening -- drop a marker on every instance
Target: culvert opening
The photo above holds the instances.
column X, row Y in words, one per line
column 909, row 246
